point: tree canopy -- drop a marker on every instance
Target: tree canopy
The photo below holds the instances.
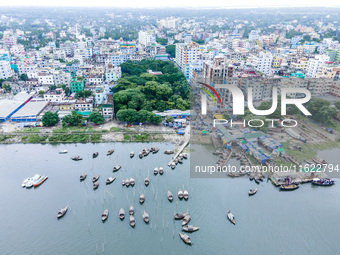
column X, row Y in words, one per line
column 131, row 116
column 96, row 118
column 140, row 90
column 50, row 119
column 73, row 119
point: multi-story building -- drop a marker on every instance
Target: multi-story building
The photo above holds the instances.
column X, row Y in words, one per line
column 5, row 70
column 107, row 111
column 45, row 78
column 77, row 84
column 84, row 106
column 146, row 38
column 112, row 73
column 55, row 96
column 61, row 77
column 186, row 53
column 315, row 63
column 263, row 62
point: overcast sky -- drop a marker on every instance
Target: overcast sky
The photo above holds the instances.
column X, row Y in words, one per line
column 170, row 3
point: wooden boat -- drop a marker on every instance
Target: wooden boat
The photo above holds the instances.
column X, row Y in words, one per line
column 170, row 196
column 168, row 152
column 132, row 182
column 63, row 152
column 83, row 176
column 146, row 152
column 96, row 185
column 190, row 228
column 142, row 198
column 155, row 171
column 146, row 181
column 231, row 217
column 105, row 214
column 96, row 178
column 121, row 214
column 110, row 180
column 291, row 186
column 309, row 162
column 140, row 155
column 131, row 210
column 76, row 158
column 116, row 168
column 319, row 160
column 62, row 212
column 180, row 194
column 252, row 192
column 179, row 216
column 186, row 219
column 322, row 182
column 154, row 150
column 132, row 154
column 132, row 221
column 146, row 217
column 161, row 170
column 185, row 194
column 185, row 238
column 251, row 177
column 94, row 155
column 110, row 152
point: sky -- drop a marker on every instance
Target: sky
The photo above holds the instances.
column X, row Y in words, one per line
column 170, row 3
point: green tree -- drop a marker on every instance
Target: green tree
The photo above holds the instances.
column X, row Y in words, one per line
column 155, row 119
column 53, row 87
column 97, row 118
column 315, row 104
column 41, row 92
column 50, row 119
column 127, row 115
column 7, row 87
column 73, row 119
column 169, row 119
column 226, row 115
column 24, row 77
column 162, row 41
column 143, row 116
column 171, row 50
column 337, row 105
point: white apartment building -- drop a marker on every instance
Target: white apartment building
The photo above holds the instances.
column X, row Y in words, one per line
column 186, row 53
column 113, row 73
column 45, row 79
column 17, row 49
column 61, row 77
column 84, row 106
column 168, row 22
column 29, row 70
column 55, row 96
column 59, row 54
column 5, row 70
column 263, row 62
column 146, row 38
column 254, row 35
column 315, row 63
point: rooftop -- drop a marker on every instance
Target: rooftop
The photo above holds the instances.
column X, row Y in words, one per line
column 30, row 109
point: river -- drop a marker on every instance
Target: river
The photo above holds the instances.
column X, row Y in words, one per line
column 305, row 221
